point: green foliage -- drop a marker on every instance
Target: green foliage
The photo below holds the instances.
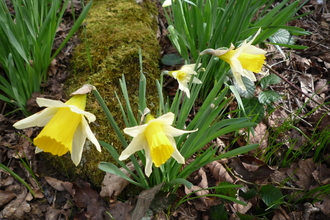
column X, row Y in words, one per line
column 231, row 192
column 271, row 196
column 198, row 24
column 218, row 212
column 172, row 59
column 26, row 41
column 268, row 97
column 210, row 122
column 268, row 80
column 254, row 109
column 6, row 169
column 224, row 187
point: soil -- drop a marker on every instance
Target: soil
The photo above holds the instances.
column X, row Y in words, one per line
column 306, row 72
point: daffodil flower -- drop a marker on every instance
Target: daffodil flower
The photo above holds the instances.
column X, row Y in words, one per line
column 65, row 127
column 167, row 3
column 156, row 138
column 183, row 76
column 243, row 60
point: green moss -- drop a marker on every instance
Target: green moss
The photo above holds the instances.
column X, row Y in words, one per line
column 115, row 29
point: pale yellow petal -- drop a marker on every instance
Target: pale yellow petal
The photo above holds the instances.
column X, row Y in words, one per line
column 189, row 69
column 90, row 135
column 196, row 80
column 39, row 119
column 135, row 131
column 42, row 102
column 137, row 144
column 171, row 131
column 78, row 143
column 167, row 118
column 148, row 166
column 184, row 87
column 167, row 3
column 249, row 74
column 253, row 50
column 237, row 71
column 90, row 117
column 176, row 154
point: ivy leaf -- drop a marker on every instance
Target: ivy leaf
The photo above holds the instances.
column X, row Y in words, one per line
column 268, row 80
column 267, row 97
column 218, row 212
column 172, row 59
column 250, row 88
column 282, row 36
column 254, row 108
column 271, row 196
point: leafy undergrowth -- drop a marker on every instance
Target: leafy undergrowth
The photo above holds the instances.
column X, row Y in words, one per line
column 287, row 177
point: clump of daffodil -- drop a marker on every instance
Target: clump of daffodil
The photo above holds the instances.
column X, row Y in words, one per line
column 183, row 76
column 156, row 138
column 65, row 127
column 243, row 60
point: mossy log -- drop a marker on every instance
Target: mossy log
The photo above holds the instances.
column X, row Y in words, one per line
column 114, row 31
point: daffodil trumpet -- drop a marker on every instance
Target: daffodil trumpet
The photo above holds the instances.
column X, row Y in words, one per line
column 183, row 76
column 65, row 127
column 156, row 138
column 244, row 60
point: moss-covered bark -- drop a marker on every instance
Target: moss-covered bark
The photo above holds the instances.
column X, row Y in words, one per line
column 115, row 29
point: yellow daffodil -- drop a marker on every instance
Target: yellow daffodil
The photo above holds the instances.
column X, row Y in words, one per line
column 243, row 60
column 167, row 3
column 156, row 137
column 65, row 127
column 183, row 76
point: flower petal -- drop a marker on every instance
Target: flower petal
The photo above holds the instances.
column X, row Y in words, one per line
column 78, row 142
column 135, row 131
column 237, row 70
column 253, row 50
column 171, row 131
column 167, row 3
column 42, row 102
column 167, row 118
column 249, row 74
column 137, row 144
column 176, row 154
column 184, row 87
column 148, row 166
column 196, row 80
column 39, row 119
column 90, row 134
column 90, row 117
column 189, row 69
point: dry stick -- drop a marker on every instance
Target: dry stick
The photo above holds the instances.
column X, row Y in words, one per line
column 309, row 96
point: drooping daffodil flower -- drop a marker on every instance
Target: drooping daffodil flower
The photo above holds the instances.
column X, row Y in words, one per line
column 167, row 3
column 243, row 60
column 65, row 127
column 183, row 76
column 156, row 138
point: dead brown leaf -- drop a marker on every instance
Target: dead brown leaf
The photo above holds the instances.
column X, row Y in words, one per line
column 112, row 185
column 87, row 198
column 260, row 137
column 5, row 197
column 18, row 207
column 301, row 173
column 119, row 210
column 250, row 168
column 219, row 172
column 55, row 183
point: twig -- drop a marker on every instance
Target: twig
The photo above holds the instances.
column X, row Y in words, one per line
column 291, row 84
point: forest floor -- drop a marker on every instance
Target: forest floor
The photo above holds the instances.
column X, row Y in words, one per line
column 296, row 167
